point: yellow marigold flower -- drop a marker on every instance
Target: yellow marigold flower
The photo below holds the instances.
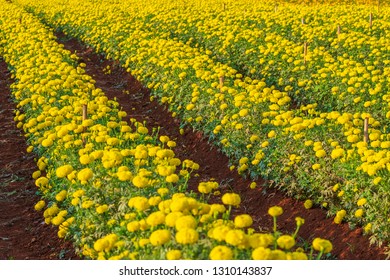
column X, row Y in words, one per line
column 160, row 237
column 275, row 211
column 187, row 236
column 36, row 174
column 85, row 174
column 101, row 244
column 142, row 130
column 204, row 188
column 75, row 201
column 286, row 242
column 87, row 204
column 338, row 220
column 300, row 221
column 173, row 178
column 179, row 204
column 124, row 175
column 173, row 255
column 320, row 153
column 377, row 180
column 163, row 191
column 368, row 228
column 57, row 220
column 253, row 185
column 260, row 240
column 297, row 256
column 308, row 204
column 42, row 182
column 133, row 226
column 102, row 208
column 271, row 134
column 143, row 242
column 322, row 245
column 242, row 221
column 278, row 255
column 155, row 218
column 359, row 213
column 187, row 221
column 231, row 199
column 316, row 166
column 361, row 201
column 336, row 153
column 221, row 252
column 217, row 208
column 171, row 218
column 39, row 205
column 64, row 171
column 140, row 181
column 47, row 143
column 85, row 159
column 61, row 195
column 254, row 138
column 219, row 232
column 261, row 253
column 139, row 202
column 236, row 237
column 154, row 200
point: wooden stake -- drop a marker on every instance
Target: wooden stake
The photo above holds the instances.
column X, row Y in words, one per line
column 304, row 52
column 370, row 20
column 303, row 21
column 85, row 112
column 379, row 3
column 365, row 139
column 276, row 8
column 338, row 30
column 221, row 81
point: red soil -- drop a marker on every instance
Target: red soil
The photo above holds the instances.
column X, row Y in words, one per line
column 347, row 244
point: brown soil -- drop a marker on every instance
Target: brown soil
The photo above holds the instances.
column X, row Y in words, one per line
column 348, row 244
column 23, row 233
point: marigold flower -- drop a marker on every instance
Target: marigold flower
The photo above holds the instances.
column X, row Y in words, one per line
column 187, row 221
column 221, row 252
column 236, row 237
column 61, row 195
column 359, row 213
column 361, row 201
column 231, row 199
column 64, row 171
column 155, row 218
column 160, row 237
column 275, row 211
column 173, row 255
column 85, row 175
column 242, row 221
column 286, row 242
column 261, row 253
column 187, row 236
column 308, row 204
column 39, row 205
column 322, row 245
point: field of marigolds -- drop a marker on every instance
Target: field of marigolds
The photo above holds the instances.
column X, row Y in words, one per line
column 296, row 96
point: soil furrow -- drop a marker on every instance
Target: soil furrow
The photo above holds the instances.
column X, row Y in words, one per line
column 23, row 233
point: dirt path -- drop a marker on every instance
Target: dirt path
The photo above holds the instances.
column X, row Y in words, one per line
column 23, row 234
column 348, row 244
